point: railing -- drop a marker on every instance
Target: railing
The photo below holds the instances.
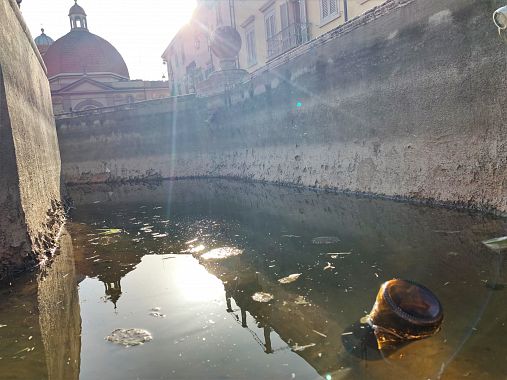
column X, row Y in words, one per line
column 288, row 38
column 123, row 107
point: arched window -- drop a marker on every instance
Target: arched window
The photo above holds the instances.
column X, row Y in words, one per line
column 87, row 105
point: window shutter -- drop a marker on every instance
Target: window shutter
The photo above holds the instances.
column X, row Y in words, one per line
column 325, row 8
column 333, row 8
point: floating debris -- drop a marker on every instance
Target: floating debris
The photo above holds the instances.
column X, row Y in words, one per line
column 191, row 241
column 325, row 240
column 262, row 297
column 157, row 314
column 301, row 300
column 156, row 308
column 302, row 348
column 159, row 235
column 129, row 337
column 329, row 266
column 291, row 236
column 319, row 333
column 339, row 253
column 196, row 249
column 496, row 244
column 109, row 231
column 289, row 279
column 222, row 253
column 3, row 326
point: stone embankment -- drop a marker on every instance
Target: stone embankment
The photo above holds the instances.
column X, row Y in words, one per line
column 406, row 101
column 31, row 212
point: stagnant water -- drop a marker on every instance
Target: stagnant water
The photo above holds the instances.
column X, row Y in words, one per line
column 53, row 324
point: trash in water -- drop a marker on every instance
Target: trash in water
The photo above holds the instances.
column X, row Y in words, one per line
column 157, row 314
column 302, row 348
column 291, row 236
column 109, row 231
column 404, row 311
column 262, row 297
column 496, row 244
column 339, row 253
column 129, row 337
column 221, row 253
column 3, row 326
column 329, row 266
column 319, row 333
column 156, row 308
column 191, row 241
column 159, row 235
column 289, row 279
column 301, row 300
column 325, row 240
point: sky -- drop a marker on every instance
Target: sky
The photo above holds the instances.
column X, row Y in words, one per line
column 140, row 30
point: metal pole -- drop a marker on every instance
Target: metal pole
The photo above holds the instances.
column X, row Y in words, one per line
column 345, row 10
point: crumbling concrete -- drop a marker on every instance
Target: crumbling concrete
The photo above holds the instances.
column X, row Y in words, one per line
column 31, row 212
column 406, row 101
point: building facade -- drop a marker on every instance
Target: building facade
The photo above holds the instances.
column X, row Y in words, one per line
column 268, row 29
column 86, row 72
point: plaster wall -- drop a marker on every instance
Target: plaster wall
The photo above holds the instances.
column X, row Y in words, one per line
column 30, row 208
column 405, row 101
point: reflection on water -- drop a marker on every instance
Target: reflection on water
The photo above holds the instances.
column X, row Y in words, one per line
column 342, row 247
column 42, row 334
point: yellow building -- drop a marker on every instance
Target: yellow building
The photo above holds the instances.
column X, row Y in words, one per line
column 268, row 28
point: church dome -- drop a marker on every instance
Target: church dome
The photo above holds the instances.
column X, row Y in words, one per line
column 80, row 51
column 43, row 39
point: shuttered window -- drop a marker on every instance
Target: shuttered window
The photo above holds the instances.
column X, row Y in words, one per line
column 329, row 10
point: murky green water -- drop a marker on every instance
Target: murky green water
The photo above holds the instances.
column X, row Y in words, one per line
column 201, row 314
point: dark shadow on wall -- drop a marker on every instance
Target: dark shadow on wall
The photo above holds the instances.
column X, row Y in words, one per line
column 14, row 241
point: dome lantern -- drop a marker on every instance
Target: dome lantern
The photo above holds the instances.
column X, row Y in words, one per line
column 77, row 17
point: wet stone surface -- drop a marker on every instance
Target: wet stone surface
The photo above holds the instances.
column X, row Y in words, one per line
column 222, row 279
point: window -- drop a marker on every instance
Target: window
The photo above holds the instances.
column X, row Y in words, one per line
column 218, row 14
column 329, row 10
column 269, row 20
column 270, row 25
column 250, row 46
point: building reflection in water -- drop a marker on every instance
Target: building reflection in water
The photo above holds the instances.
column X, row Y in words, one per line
column 40, row 336
column 59, row 314
column 113, row 291
column 387, row 240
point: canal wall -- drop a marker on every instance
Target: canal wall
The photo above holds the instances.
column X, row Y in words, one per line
column 30, row 208
column 405, row 101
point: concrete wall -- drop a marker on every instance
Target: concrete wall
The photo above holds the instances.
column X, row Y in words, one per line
column 30, row 208
column 405, row 101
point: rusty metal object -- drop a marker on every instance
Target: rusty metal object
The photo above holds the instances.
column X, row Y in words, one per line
column 404, row 311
